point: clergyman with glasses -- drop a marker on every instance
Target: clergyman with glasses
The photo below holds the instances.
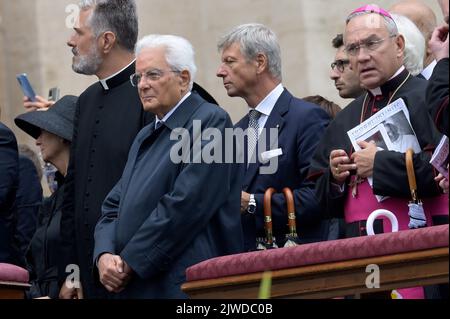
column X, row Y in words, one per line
column 164, row 216
column 375, row 50
column 345, row 79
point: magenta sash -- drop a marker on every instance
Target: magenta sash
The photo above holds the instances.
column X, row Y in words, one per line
column 360, row 207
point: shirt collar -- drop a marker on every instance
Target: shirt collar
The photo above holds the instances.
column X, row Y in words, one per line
column 378, row 91
column 168, row 115
column 266, row 106
column 428, row 71
column 104, row 82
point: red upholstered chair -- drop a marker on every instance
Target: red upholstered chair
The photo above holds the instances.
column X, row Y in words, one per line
column 13, row 281
column 327, row 269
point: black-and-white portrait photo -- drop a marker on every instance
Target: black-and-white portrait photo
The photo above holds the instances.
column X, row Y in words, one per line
column 401, row 133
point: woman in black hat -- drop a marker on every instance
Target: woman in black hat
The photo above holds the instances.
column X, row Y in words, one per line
column 53, row 131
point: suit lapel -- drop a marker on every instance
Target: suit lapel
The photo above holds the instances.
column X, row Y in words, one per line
column 275, row 120
column 185, row 111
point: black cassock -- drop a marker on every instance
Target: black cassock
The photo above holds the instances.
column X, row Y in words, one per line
column 390, row 177
column 437, row 96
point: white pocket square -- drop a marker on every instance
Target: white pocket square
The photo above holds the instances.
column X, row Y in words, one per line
column 267, row 156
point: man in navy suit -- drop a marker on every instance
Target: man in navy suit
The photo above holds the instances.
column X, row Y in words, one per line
column 9, row 178
column 166, row 213
column 251, row 69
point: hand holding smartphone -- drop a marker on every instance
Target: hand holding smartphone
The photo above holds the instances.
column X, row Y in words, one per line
column 26, row 87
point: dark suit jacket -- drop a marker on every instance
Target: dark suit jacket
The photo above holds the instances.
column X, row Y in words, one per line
column 301, row 125
column 9, row 177
column 437, row 96
column 163, row 217
column 105, row 125
column 29, row 199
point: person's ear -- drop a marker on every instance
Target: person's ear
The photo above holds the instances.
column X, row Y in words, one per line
column 185, row 80
column 261, row 63
column 107, row 42
column 400, row 45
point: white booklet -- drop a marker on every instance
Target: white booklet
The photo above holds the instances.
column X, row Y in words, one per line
column 390, row 129
column 440, row 157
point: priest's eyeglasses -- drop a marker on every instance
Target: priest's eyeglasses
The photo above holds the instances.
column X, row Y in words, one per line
column 152, row 75
column 369, row 45
column 340, row 65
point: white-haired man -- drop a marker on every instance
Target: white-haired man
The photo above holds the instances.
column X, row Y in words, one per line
column 109, row 116
column 166, row 214
column 425, row 19
column 415, row 46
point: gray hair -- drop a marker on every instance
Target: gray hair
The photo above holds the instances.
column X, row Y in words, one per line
column 388, row 22
column 255, row 39
column 117, row 16
column 179, row 53
column 414, row 44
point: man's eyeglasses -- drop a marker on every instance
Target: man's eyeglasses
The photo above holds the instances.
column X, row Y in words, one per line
column 370, row 45
column 152, row 75
column 340, row 65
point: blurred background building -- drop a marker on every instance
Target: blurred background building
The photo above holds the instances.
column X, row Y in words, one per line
column 33, row 37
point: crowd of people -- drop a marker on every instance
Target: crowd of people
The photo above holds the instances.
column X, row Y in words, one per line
column 146, row 187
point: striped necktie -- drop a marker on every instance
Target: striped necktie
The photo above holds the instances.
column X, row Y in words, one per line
column 253, row 133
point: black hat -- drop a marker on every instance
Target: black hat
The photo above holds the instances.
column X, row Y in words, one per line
column 58, row 119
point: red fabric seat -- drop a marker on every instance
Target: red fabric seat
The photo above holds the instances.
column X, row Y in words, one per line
column 14, row 274
column 319, row 253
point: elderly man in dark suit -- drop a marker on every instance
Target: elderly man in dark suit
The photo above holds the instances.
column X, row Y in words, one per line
column 9, row 178
column 166, row 213
column 251, row 69
column 108, row 117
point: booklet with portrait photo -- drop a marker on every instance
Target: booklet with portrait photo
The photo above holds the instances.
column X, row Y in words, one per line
column 440, row 157
column 390, row 129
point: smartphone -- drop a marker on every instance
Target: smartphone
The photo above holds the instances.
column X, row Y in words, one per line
column 26, row 87
column 53, row 94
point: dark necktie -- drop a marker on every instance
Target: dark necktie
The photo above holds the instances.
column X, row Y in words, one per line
column 159, row 125
column 253, row 133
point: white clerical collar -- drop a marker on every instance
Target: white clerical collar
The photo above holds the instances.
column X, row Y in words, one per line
column 266, row 106
column 428, row 71
column 103, row 82
column 168, row 115
column 377, row 91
